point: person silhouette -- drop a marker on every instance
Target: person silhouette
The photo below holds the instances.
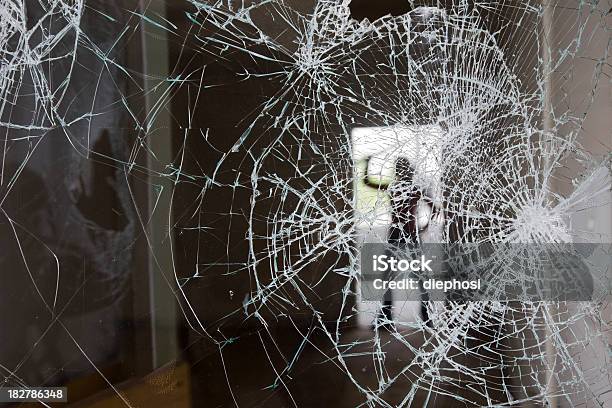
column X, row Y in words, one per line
column 404, row 228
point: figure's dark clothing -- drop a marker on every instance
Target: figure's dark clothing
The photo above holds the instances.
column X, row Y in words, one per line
column 403, row 230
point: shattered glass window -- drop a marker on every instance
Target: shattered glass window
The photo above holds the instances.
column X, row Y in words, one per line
column 187, row 189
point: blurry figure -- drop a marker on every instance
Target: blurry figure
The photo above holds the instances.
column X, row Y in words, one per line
column 410, row 214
